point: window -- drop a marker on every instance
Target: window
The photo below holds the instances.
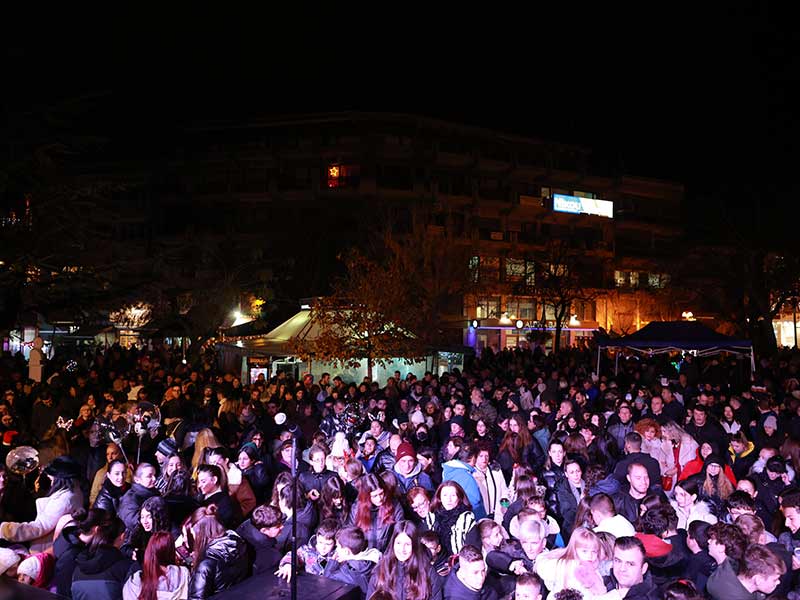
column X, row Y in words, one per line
column 488, row 307
column 585, row 311
column 521, row 308
column 657, row 280
column 343, row 176
column 558, row 270
column 519, row 269
column 490, row 268
column 579, row 194
column 626, row 278
column 474, row 268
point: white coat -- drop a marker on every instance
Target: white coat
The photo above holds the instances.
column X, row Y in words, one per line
column 49, row 511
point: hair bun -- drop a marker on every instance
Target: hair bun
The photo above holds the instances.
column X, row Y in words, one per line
column 211, row 509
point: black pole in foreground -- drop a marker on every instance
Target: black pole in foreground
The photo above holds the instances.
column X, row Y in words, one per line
column 293, row 431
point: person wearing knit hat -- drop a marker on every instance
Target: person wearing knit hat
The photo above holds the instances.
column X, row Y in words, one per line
column 8, row 559
column 457, row 426
column 408, row 471
column 36, row 570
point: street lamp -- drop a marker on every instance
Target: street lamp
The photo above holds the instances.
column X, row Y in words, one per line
column 687, row 315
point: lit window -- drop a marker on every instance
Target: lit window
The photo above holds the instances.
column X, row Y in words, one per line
column 340, row 176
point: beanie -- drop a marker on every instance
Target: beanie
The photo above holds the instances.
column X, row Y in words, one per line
column 167, row 447
column 405, row 449
column 8, row 558
column 771, row 421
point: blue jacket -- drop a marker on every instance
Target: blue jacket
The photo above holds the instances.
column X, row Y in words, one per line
column 462, row 474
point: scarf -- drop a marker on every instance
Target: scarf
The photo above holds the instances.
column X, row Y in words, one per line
column 445, row 519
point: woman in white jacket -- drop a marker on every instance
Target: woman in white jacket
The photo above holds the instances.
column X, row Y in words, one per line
column 491, row 483
column 64, row 497
column 683, row 445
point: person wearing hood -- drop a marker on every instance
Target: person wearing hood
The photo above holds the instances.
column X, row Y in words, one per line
column 161, row 578
column 408, row 471
column 461, row 470
column 100, row 568
column 352, row 562
column 144, row 482
column 63, row 498
column 697, row 465
column 219, row 556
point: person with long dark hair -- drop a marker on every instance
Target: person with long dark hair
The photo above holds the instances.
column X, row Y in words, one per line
column 375, row 512
column 63, row 497
column 160, row 578
column 153, row 517
column 453, row 516
column 179, row 495
column 113, row 487
column 100, row 568
column 333, row 503
column 405, row 571
column 256, row 472
column 218, row 556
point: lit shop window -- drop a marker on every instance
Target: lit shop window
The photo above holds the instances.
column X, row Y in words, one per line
column 343, row 176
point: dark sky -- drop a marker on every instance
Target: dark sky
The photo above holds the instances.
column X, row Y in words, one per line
column 706, row 99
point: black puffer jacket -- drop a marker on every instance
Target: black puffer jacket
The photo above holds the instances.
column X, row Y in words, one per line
column 100, row 575
column 109, row 497
column 131, row 504
column 222, row 565
column 309, row 480
column 65, row 549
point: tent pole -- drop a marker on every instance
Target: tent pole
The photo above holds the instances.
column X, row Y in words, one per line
column 616, row 364
column 752, row 363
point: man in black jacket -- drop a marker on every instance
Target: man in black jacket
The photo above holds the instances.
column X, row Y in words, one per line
column 629, row 571
column 466, row 580
column 260, row 532
column 634, row 454
column 629, row 499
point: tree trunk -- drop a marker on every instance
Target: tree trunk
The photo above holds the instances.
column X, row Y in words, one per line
column 369, row 368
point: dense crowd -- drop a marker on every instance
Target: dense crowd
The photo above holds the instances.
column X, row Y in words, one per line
column 525, row 475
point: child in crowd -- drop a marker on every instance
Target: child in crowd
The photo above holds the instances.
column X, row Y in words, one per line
column 352, row 562
column 313, row 556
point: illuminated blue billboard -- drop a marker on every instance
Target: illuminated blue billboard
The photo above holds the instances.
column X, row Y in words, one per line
column 583, row 206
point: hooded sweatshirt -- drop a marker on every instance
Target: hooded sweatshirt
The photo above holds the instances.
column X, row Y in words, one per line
column 100, row 575
column 174, row 585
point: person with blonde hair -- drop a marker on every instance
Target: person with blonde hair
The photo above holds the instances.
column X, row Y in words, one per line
column 205, row 439
column 575, row 566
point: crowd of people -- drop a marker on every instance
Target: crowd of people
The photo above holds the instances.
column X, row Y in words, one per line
column 525, row 475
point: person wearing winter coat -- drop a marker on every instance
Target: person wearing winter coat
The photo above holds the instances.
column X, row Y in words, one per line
column 405, row 571
column 461, row 470
column 255, row 471
column 66, row 547
column 212, row 489
column 313, row 556
column 684, row 447
column 144, row 481
column 570, row 491
column 161, row 572
column 260, row 532
column 352, row 562
column 466, row 580
column 219, row 556
column 238, row 487
column 307, row 517
column 100, row 568
column 743, row 455
column 375, row 512
column 453, row 517
column 408, row 471
column 311, row 481
column 687, row 505
column 113, row 488
column 491, row 483
column 63, row 498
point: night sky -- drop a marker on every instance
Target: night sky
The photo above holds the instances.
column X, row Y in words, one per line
column 709, row 100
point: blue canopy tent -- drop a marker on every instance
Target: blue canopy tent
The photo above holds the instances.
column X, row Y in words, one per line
column 660, row 337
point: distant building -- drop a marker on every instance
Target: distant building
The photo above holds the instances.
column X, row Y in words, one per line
column 305, row 185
